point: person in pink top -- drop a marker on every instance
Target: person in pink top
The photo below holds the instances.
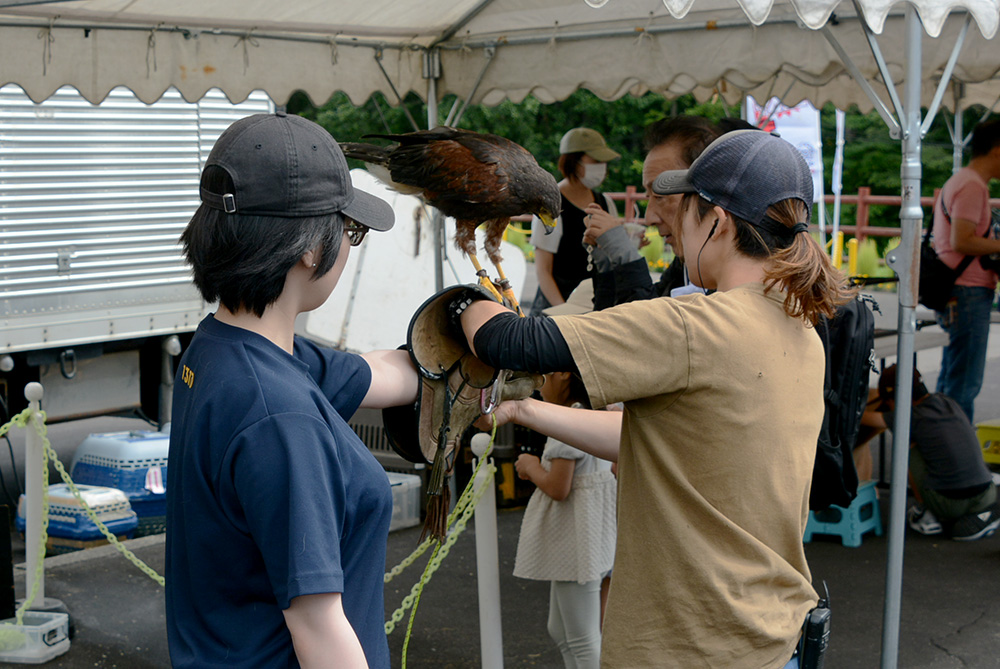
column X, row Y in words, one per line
column 961, row 228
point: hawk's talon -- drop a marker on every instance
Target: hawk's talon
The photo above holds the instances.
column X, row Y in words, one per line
column 488, row 285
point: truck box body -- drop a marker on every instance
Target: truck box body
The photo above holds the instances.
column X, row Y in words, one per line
column 93, row 200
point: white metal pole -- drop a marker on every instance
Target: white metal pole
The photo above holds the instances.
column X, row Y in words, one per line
column 906, row 263
column 432, row 104
column 958, row 137
column 33, row 451
column 836, row 181
column 820, row 197
column 487, row 563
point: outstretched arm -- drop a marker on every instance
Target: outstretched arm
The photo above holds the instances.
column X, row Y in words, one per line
column 476, row 315
column 394, row 379
column 594, row 432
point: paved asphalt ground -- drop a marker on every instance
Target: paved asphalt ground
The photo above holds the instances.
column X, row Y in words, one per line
column 950, row 608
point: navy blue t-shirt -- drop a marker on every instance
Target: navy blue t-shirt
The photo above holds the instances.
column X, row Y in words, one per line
column 271, row 495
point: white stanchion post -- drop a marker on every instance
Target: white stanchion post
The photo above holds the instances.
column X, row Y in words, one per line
column 487, row 563
column 33, row 493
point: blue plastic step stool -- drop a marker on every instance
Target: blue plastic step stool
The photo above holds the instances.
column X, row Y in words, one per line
column 851, row 523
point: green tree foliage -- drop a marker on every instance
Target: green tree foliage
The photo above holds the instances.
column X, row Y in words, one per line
column 871, row 156
column 872, row 159
column 531, row 124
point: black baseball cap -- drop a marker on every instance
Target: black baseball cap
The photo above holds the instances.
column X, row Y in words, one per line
column 744, row 172
column 286, row 166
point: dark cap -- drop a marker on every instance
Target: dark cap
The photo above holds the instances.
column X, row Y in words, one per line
column 744, row 172
column 286, row 166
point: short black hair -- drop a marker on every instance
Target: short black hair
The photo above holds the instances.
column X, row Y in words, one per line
column 985, row 137
column 887, row 385
column 694, row 132
column 242, row 261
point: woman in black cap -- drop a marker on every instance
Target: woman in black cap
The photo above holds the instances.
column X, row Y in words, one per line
column 277, row 513
column 723, row 399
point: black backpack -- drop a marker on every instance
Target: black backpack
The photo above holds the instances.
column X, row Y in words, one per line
column 849, row 342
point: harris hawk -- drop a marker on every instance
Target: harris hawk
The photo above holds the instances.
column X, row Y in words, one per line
column 476, row 178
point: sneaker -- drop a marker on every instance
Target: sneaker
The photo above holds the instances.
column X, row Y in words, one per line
column 976, row 526
column 923, row 521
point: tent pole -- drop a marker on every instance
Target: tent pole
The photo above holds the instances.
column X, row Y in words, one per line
column 432, row 72
column 859, row 78
column 945, row 77
column 880, row 62
column 388, row 79
column 905, row 261
column 489, row 52
column 958, row 145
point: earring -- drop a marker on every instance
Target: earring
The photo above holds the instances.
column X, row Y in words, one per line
column 314, row 264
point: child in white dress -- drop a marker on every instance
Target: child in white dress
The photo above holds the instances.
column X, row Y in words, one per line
column 568, row 532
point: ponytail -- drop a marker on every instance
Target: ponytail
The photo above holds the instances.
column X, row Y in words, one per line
column 812, row 286
column 795, row 263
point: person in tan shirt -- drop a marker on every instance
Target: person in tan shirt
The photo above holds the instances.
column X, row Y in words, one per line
column 723, row 402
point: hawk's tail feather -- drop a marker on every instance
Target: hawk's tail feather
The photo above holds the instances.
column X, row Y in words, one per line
column 369, row 153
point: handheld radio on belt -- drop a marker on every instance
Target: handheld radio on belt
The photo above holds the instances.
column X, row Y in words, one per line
column 815, row 635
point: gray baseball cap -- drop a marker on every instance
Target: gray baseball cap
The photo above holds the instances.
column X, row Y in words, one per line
column 286, row 166
column 744, row 172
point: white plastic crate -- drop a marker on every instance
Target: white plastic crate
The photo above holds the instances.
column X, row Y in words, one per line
column 40, row 637
column 70, row 528
column 134, row 462
column 405, row 500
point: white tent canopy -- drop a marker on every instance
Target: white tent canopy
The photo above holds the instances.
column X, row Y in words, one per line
column 489, row 50
column 511, row 48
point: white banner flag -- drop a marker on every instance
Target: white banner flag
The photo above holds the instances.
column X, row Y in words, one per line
column 798, row 125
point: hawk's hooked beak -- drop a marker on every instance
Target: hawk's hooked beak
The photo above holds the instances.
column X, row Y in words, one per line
column 548, row 222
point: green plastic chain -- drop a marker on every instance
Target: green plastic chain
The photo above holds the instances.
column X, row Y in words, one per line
column 465, row 507
column 460, row 507
column 21, row 420
column 457, row 521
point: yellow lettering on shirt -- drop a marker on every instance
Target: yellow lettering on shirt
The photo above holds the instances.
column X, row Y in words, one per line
column 187, row 376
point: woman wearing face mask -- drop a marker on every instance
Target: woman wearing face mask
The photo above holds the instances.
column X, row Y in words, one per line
column 561, row 261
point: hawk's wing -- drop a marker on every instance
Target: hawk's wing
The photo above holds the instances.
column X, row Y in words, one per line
column 465, row 174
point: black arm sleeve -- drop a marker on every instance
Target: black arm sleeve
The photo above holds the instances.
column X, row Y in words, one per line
column 604, row 289
column 632, row 282
column 534, row 344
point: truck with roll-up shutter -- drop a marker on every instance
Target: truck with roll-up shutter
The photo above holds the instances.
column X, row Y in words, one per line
column 95, row 296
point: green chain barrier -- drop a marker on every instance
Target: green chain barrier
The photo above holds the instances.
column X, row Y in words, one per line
column 441, row 552
column 460, row 506
column 463, row 511
column 21, row 420
column 435, row 560
column 10, row 637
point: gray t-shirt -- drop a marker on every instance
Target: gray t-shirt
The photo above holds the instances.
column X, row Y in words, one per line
column 940, row 430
